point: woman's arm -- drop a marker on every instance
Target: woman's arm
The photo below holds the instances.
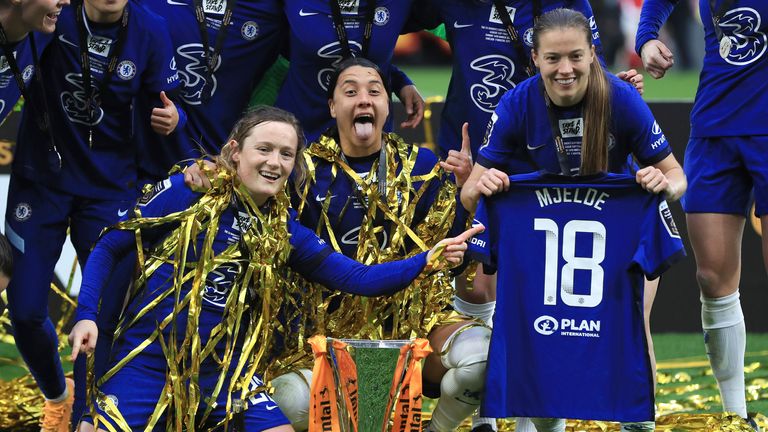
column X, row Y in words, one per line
column 113, row 246
column 339, row 272
column 482, row 181
column 665, row 176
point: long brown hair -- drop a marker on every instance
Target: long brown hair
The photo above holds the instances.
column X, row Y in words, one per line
column 254, row 117
column 597, row 100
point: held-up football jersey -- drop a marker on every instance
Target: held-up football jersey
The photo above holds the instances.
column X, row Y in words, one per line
column 485, row 62
column 252, row 42
column 732, row 98
column 105, row 168
column 571, row 252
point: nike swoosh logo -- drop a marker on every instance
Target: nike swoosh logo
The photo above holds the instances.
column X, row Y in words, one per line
column 530, row 147
column 302, row 13
column 457, row 25
column 176, row 3
column 270, row 407
column 318, row 198
column 63, row 39
column 121, row 213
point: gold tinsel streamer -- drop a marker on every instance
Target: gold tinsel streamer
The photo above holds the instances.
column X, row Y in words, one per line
column 254, row 300
column 417, row 309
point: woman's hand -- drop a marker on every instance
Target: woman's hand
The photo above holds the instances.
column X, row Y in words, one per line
column 636, row 79
column 452, row 249
column 482, row 181
column 83, row 337
column 195, row 178
column 460, row 162
column 653, row 180
column 657, row 58
column 414, row 106
column 165, row 119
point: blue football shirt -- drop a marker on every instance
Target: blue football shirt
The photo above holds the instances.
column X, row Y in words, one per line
column 732, row 97
column 568, row 337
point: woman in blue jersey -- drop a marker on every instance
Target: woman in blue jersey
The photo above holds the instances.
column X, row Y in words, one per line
column 74, row 164
column 596, row 119
column 216, row 276
column 725, row 162
column 375, row 198
column 322, row 33
column 490, row 42
column 240, row 40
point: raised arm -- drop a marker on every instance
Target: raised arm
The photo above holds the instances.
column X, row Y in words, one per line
column 657, row 58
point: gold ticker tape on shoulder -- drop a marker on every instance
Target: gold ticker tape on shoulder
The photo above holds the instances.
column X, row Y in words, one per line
column 415, row 310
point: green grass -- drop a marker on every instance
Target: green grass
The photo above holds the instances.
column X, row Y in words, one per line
column 685, row 381
column 433, row 81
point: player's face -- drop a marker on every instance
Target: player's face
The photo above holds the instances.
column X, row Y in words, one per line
column 563, row 58
column 105, row 11
column 41, row 15
column 266, row 159
column 360, row 106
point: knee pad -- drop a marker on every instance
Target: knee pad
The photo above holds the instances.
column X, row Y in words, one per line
column 465, row 354
column 292, row 396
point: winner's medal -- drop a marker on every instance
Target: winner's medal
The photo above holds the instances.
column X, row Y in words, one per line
column 725, row 47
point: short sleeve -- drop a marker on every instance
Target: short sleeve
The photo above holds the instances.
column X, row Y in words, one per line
column 481, row 246
column 640, row 129
column 660, row 246
column 498, row 147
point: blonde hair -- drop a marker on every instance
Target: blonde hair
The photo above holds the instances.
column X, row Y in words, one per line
column 597, row 100
column 254, row 117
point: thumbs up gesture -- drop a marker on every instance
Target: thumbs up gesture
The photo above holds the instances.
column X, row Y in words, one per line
column 460, row 162
column 164, row 120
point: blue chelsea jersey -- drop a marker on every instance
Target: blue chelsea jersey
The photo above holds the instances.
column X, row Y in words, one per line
column 107, row 168
column 732, row 97
column 22, row 52
column 571, row 252
column 485, row 62
column 314, row 49
column 310, row 256
column 347, row 207
column 252, row 42
column 520, row 131
column 170, row 196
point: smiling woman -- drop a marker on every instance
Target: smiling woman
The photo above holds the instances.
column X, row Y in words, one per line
column 213, row 285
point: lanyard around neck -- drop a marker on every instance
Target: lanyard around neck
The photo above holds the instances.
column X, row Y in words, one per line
column 91, row 92
column 341, row 31
column 211, row 59
column 517, row 43
column 562, row 156
column 43, row 118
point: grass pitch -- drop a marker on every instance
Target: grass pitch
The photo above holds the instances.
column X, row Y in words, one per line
column 676, row 85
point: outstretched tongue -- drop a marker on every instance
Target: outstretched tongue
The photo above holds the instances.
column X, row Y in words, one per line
column 364, row 130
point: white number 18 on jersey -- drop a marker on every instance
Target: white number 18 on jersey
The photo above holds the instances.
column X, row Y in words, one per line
column 572, row 262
